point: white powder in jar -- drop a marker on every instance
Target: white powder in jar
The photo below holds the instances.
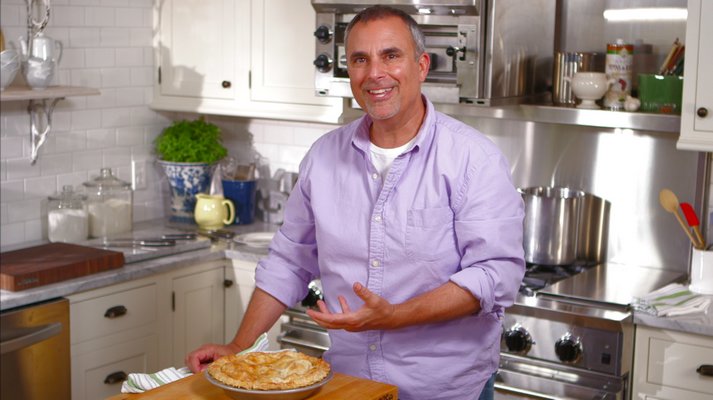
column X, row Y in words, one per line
column 109, row 218
column 67, row 225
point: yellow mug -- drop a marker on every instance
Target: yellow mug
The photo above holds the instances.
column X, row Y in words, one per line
column 212, row 212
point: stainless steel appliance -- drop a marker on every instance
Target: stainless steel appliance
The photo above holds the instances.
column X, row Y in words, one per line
column 300, row 332
column 485, row 52
column 570, row 333
column 34, row 352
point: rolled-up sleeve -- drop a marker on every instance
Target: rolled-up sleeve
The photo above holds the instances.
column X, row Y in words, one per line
column 488, row 225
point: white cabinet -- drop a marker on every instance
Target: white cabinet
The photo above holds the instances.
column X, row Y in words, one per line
column 237, row 298
column 697, row 104
column 665, row 364
column 248, row 58
column 144, row 326
column 198, row 309
column 114, row 331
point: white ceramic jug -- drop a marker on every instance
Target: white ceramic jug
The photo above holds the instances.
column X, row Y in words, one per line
column 43, row 47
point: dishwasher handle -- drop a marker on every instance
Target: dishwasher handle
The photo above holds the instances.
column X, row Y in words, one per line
column 299, row 342
column 35, row 336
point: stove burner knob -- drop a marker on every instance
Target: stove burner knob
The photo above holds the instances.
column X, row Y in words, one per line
column 323, row 63
column 568, row 348
column 323, row 34
column 517, row 339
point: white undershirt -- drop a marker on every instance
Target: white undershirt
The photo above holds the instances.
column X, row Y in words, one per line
column 383, row 158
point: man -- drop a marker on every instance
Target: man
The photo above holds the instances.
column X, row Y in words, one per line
column 410, row 220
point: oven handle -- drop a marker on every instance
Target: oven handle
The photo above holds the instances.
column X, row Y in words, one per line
column 303, row 343
column 523, row 392
column 42, row 333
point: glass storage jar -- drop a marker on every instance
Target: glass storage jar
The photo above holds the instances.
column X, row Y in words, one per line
column 110, row 202
column 67, row 217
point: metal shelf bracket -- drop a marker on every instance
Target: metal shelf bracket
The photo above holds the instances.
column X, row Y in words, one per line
column 40, row 123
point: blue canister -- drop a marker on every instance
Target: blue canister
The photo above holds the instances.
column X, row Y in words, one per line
column 242, row 193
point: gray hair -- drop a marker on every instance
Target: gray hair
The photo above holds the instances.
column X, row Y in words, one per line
column 378, row 12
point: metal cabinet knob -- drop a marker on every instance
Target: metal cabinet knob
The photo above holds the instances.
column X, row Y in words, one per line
column 702, row 112
column 115, row 377
column 453, row 51
column 227, row 283
column 115, row 312
column 705, row 370
column 226, row 84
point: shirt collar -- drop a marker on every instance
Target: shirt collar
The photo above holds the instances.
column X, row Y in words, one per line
column 360, row 137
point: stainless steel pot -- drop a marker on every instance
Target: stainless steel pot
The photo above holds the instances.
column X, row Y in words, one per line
column 551, row 225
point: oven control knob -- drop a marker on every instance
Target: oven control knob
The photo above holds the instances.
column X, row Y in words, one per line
column 517, row 339
column 568, row 348
column 323, row 34
column 323, row 63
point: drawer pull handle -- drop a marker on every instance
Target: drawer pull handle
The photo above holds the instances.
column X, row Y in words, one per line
column 115, row 312
column 227, row 283
column 702, row 112
column 115, row 377
column 705, row 370
column 225, row 84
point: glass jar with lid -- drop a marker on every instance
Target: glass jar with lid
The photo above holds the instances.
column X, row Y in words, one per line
column 67, row 217
column 110, row 202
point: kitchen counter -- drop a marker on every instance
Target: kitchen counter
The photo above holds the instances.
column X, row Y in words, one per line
column 146, row 266
column 700, row 324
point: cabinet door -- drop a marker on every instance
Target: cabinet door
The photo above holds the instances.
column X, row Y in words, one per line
column 198, row 311
column 197, row 49
column 697, row 107
column 97, row 374
column 283, row 48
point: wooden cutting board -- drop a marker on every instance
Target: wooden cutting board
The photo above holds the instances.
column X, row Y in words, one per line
column 197, row 387
column 54, row 262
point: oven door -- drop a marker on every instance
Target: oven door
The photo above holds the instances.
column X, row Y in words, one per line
column 523, row 378
column 306, row 339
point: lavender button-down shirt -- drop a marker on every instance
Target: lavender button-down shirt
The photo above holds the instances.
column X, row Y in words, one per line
column 447, row 210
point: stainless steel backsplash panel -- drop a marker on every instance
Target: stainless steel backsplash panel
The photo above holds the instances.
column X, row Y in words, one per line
column 626, row 167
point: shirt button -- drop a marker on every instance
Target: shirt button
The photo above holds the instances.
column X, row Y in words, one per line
column 377, row 218
column 374, row 176
column 372, row 347
column 375, row 263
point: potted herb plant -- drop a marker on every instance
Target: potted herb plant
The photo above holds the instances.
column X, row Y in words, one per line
column 188, row 152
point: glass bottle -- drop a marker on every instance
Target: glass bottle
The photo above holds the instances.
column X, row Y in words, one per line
column 110, row 203
column 67, row 217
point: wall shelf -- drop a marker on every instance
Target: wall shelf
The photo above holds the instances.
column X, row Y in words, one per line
column 42, row 103
column 569, row 116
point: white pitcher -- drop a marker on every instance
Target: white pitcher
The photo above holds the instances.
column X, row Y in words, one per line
column 42, row 47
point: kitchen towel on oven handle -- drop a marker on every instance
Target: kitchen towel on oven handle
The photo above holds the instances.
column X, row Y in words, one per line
column 672, row 300
column 139, row 383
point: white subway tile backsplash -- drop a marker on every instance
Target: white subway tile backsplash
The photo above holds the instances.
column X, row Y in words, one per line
column 106, row 99
column 129, row 57
column 130, row 96
column 76, row 179
column 12, row 234
column 99, row 16
column 88, row 160
column 86, row 119
column 140, row 37
column 11, row 147
column 129, row 17
column 20, row 168
column 69, row 141
column 67, row 15
column 84, row 37
column 99, row 57
column 25, row 210
column 10, row 14
column 12, row 190
column 101, row 138
column 116, row 77
column 142, row 76
column 115, row 37
column 130, row 136
column 119, row 157
column 72, row 58
column 279, row 134
column 40, row 188
column 61, row 120
column 33, row 230
column 116, row 117
column 55, row 164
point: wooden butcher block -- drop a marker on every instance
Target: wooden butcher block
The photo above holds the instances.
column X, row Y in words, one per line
column 54, row 262
column 197, row 387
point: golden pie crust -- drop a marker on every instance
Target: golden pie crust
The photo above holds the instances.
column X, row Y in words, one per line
column 269, row 371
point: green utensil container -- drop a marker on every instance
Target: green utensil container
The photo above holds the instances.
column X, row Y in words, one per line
column 660, row 93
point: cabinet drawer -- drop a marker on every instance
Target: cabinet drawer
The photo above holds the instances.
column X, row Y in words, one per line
column 112, row 313
column 673, row 362
column 95, row 375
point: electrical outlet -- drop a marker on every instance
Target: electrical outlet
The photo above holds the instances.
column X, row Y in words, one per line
column 138, row 175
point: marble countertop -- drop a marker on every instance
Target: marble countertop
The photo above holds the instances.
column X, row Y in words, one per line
column 701, row 324
column 146, row 266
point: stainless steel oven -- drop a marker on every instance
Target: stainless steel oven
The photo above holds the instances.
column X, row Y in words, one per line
column 484, row 52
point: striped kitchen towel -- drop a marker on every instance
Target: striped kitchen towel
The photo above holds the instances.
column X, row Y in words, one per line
column 139, row 383
column 672, row 300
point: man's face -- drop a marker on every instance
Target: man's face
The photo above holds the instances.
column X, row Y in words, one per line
column 384, row 73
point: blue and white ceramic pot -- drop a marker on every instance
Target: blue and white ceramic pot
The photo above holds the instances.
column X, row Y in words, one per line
column 186, row 180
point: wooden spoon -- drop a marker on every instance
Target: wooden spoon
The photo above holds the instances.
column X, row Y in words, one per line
column 669, row 202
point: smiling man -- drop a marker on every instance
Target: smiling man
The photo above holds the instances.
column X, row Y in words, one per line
column 410, row 220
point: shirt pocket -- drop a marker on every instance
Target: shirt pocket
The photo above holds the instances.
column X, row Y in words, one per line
column 429, row 234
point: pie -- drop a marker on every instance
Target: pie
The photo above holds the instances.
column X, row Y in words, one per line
column 269, row 370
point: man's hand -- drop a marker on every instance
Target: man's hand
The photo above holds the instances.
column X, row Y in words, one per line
column 376, row 313
column 199, row 359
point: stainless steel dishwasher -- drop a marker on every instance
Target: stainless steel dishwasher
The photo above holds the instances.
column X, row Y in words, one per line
column 35, row 353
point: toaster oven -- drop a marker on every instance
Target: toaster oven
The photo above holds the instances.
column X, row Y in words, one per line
column 485, row 52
